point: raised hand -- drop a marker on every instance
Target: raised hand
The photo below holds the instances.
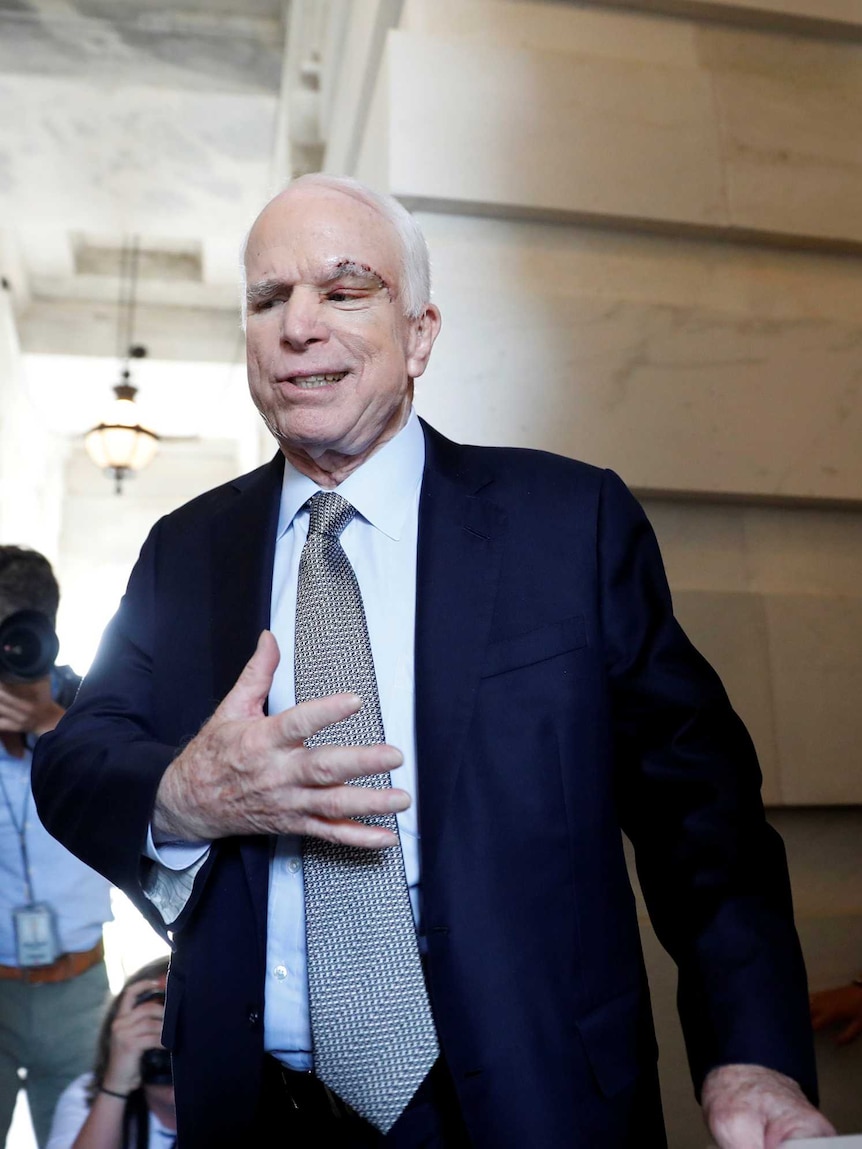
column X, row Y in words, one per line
column 249, row 773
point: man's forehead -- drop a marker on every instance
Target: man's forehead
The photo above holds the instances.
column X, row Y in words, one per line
column 324, row 226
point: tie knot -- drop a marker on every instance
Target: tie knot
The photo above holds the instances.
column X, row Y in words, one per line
column 330, row 513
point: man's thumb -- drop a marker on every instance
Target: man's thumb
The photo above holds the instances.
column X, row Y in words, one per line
column 248, row 694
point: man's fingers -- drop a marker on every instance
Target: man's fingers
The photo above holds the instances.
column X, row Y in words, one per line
column 350, row 833
column 249, row 692
column 305, row 719
column 783, row 1131
column 752, row 1107
column 337, row 802
column 331, row 765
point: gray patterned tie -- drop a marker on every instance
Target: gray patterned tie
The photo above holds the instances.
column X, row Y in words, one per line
column 372, row 1030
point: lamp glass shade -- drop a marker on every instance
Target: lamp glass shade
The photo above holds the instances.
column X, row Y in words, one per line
column 120, row 442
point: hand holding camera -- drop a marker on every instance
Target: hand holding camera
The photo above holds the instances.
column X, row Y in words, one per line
column 137, row 1056
column 28, row 708
column 28, row 647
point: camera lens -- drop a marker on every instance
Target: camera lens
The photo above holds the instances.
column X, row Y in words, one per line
column 28, row 646
column 156, row 1067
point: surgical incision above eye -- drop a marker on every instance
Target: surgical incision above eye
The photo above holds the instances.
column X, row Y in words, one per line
column 360, row 274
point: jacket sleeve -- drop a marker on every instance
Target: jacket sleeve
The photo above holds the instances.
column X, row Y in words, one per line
column 96, row 775
column 713, row 872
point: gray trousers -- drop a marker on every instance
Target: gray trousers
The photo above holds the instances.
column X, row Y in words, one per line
column 49, row 1030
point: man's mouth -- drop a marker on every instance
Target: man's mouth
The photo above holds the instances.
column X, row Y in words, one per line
column 309, row 382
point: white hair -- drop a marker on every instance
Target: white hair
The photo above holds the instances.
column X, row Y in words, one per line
column 414, row 287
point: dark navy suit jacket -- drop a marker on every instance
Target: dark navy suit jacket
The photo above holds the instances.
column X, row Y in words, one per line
column 557, row 703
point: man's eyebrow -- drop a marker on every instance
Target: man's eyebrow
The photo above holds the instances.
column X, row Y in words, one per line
column 265, row 289
column 351, row 269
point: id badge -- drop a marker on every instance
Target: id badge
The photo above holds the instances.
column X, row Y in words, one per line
column 36, row 938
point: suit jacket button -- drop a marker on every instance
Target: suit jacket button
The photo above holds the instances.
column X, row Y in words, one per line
column 253, row 1018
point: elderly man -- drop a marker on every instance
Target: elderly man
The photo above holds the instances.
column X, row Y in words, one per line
column 454, row 959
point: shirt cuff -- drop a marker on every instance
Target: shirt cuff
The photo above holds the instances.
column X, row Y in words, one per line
column 175, row 855
column 169, row 883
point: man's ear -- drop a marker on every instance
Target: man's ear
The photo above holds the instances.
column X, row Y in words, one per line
column 423, row 331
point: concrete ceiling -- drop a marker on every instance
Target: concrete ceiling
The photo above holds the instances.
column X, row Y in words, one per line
column 160, row 119
column 120, row 118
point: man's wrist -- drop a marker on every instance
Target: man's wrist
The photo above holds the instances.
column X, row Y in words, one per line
column 167, row 824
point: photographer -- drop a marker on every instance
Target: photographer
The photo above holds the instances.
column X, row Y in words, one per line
column 127, row 1102
column 52, row 907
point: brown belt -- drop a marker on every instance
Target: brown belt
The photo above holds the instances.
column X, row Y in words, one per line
column 65, row 967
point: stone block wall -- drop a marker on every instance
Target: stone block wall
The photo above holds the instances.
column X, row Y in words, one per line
column 647, row 247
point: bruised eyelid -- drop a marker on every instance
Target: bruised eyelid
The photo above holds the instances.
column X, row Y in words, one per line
column 353, row 272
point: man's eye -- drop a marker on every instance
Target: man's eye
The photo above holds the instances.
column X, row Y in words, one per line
column 262, row 305
column 345, row 295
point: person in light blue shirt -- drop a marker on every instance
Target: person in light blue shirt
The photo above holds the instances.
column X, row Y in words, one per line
column 52, row 907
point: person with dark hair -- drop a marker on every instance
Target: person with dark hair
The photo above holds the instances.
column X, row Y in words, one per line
column 52, row 907
column 127, row 1100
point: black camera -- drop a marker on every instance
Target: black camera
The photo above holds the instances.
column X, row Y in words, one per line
column 28, row 646
column 155, row 1063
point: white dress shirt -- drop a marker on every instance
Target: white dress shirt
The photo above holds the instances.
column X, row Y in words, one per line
column 380, row 542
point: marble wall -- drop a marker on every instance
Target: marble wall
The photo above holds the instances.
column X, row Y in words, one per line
column 31, row 457
column 812, row 17
column 647, row 248
column 639, row 117
column 725, row 365
column 772, row 597
column 688, row 365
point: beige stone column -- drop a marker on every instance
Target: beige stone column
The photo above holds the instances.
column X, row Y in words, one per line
column 31, row 456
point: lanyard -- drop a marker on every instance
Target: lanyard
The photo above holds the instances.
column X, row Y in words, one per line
column 20, row 829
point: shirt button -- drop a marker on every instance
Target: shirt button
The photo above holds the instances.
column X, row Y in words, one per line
column 293, row 865
column 280, row 972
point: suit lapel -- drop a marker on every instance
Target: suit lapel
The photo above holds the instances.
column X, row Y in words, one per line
column 243, row 546
column 243, row 549
column 460, row 532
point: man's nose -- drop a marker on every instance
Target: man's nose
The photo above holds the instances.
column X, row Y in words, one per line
column 302, row 319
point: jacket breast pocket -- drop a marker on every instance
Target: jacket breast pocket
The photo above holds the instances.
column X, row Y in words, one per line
column 535, row 646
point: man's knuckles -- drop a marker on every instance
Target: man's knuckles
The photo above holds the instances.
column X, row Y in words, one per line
column 736, row 1128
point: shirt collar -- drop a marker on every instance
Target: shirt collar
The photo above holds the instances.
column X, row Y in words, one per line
column 382, row 489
